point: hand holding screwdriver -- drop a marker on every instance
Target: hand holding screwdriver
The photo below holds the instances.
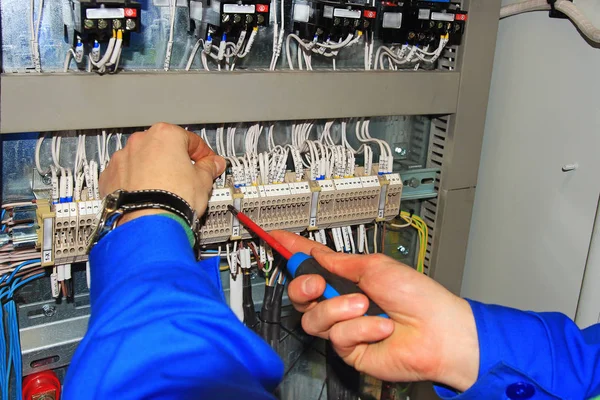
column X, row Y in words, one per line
column 302, row 264
column 430, row 333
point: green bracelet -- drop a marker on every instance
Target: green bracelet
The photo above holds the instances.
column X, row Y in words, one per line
column 186, row 227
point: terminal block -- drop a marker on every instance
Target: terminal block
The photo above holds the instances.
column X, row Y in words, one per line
column 217, row 224
column 73, row 225
column 45, row 231
column 326, row 204
column 356, row 200
column 393, row 195
column 285, row 206
column 420, row 22
column 251, row 204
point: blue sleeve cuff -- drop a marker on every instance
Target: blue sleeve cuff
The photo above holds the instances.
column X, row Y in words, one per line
column 159, row 319
column 527, row 355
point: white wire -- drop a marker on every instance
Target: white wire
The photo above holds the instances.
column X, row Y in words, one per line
column 193, row 54
column 55, row 151
column 107, row 55
column 38, row 147
column 35, row 34
column 172, row 12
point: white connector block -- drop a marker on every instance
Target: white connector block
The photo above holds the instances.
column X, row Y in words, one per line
column 217, row 225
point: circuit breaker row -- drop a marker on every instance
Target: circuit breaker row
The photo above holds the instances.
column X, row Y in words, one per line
column 299, row 206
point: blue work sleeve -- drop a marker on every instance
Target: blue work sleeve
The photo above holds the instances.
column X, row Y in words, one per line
column 527, row 355
column 160, row 328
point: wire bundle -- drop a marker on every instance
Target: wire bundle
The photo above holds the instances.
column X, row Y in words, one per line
column 326, row 49
column 423, row 231
column 408, row 55
column 10, row 344
column 225, row 51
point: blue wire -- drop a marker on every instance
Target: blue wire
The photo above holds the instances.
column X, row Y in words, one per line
column 18, row 267
column 2, row 219
column 3, row 360
column 12, row 330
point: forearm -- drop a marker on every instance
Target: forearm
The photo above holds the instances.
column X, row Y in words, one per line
column 158, row 316
column 545, row 354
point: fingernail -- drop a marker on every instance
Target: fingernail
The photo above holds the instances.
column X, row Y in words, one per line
column 357, row 302
column 386, row 326
column 219, row 164
column 308, row 287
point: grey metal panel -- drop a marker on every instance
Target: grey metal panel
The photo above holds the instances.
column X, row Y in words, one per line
column 476, row 59
column 47, row 102
column 462, row 148
column 448, row 254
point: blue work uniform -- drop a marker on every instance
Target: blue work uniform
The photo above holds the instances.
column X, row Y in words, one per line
column 160, row 329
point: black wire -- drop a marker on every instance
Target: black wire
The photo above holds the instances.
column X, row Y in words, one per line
column 250, row 319
column 311, row 343
column 322, row 389
column 293, row 364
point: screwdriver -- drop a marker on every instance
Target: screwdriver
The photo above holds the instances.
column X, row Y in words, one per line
column 302, row 264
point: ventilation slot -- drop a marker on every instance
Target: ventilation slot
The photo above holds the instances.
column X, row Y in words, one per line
column 447, row 62
column 435, row 159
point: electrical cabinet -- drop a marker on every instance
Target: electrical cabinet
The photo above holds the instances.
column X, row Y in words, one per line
column 432, row 119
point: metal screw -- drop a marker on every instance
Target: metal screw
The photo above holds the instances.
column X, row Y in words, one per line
column 401, row 151
column 49, row 311
column 253, row 274
column 403, row 250
column 260, row 19
column 130, row 24
column 102, row 24
column 414, row 183
column 88, row 24
column 117, row 23
column 46, row 180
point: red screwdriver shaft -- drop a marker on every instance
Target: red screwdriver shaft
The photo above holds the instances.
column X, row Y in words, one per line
column 260, row 232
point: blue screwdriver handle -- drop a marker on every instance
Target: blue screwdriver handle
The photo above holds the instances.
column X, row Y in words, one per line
column 303, row 264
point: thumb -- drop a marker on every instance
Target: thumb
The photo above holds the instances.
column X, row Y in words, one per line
column 211, row 167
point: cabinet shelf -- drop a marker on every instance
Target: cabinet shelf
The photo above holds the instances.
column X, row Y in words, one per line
column 50, row 102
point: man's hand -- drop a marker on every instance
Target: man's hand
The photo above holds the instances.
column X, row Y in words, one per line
column 431, row 334
column 161, row 158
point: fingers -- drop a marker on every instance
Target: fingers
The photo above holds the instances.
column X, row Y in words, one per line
column 305, row 290
column 346, row 335
column 319, row 320
column 296, row 243
column 197, row 149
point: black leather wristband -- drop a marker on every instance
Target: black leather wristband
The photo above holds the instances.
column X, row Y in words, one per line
column 121, row 202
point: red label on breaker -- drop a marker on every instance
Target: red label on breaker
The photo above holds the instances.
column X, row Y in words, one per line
column 262, row 8
column 461, row 17
column 131, row 12
column 369, row 14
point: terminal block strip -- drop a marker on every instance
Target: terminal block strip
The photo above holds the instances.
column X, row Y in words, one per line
column 293, row 206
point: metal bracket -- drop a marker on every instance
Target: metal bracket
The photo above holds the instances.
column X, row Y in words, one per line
column 419, row 184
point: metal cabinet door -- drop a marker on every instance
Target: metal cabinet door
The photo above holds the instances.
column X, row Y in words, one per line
column 532, row 222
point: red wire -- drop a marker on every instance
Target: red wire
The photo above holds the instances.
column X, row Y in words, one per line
column 260, row 232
